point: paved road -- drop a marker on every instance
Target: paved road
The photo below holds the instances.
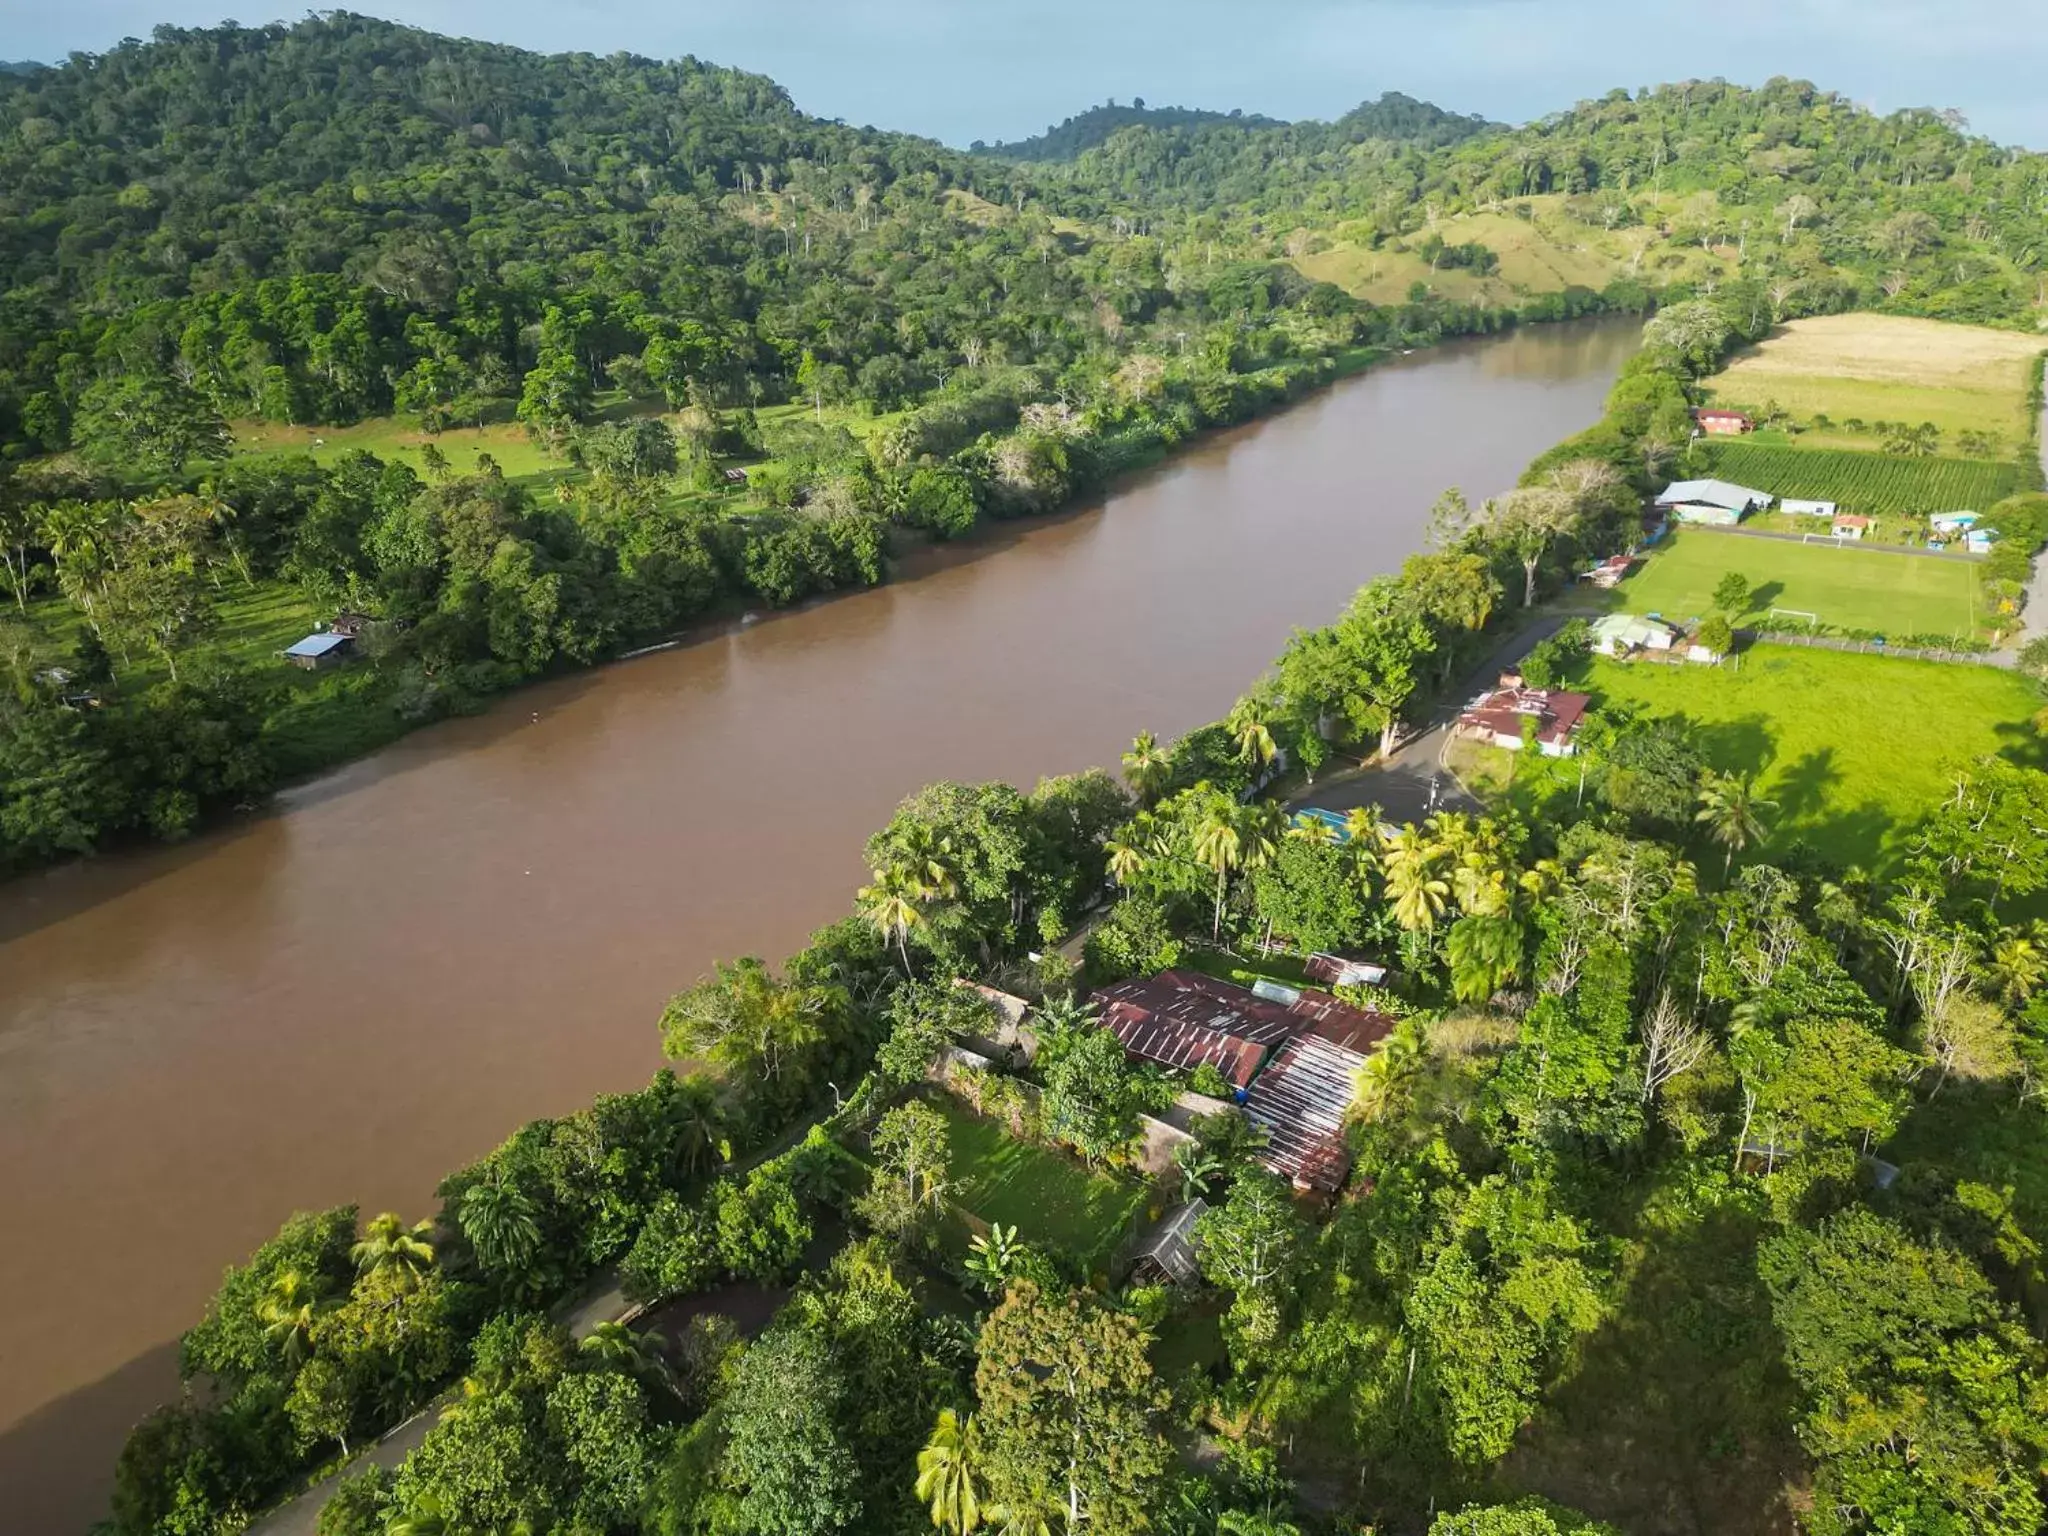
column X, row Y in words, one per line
column 1413, row 782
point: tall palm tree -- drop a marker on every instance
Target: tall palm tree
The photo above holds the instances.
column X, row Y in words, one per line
column 950, row 1475
column 1146, row 766
column 1728, row 809
column 699, row 1126
column 1126, row 859
column 1418, row 893
column 1311, row 829
column 392, row 1251
column 892, row 905
column 1485, row 954
column 1219, row 845
column 1383, row 1078
column 1248, row 728
column 288, row 1311
column 927, row 861
column 2018, row 963
column 501, row 1223
column 426, row 1518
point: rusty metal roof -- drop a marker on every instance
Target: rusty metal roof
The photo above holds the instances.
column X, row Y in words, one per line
column 1300, row 1101
column 1181, row 1018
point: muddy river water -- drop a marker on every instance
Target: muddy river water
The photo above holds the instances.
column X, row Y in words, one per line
column 380, row 976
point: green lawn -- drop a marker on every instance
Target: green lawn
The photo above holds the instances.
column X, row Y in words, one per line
column 1049, row 1198
column 255, row 623
column 1854, row 748
column 1847, row 588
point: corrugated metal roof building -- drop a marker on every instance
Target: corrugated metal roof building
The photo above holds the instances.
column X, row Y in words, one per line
column 1180, row 1019
column 1300, row 1102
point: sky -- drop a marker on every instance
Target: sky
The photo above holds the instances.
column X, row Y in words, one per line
column 961, row 70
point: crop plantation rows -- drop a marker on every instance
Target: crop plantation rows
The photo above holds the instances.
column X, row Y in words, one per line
column 1867, row 482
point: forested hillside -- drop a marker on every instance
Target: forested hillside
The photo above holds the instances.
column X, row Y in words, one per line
column 728, row 350
column 1797, row 187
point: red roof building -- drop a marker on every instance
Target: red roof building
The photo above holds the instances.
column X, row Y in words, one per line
column 1723, row 423
column 1180, row 1019
column 1555, row 715
column 1293, row 1057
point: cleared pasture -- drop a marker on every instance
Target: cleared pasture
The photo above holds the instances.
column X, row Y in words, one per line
column 1962, row 378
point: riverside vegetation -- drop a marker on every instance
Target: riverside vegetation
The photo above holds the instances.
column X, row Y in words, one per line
column 1694, row 1189
column 612, row 282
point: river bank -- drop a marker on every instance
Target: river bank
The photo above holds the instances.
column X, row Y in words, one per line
column 378, row 977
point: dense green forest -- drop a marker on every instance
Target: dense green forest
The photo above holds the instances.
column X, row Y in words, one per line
column 1394, row 118
column 1701, row 1198
column 751, row 351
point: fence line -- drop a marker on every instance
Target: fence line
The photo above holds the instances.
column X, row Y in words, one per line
column 1874, row 648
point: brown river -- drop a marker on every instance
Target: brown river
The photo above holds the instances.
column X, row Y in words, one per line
column 382, row 975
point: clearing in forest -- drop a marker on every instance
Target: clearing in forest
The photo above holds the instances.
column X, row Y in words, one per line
column 1841, row 586
column 1962, row 378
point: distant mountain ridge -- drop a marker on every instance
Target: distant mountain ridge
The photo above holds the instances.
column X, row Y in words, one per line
column 1393, row 116
column 1087, row 130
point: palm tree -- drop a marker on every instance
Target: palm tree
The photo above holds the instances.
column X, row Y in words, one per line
column 1417, row 892
column 426, row 1518
column 1311, row 829
column 1247, row 726
column 1485, row 954
column 1219, row 845
column 1146, row 765
column 949, row 1474
column 1126, row 859
column 2018, row 962
column 927, row 861
column 499, row 1219
column 891, row 904
column 1386, row 1073
column 1728, row 809
column 698, row 1124
column 288, row 1311
column 1018, row 1519
column 615, row 1345
column 394, row 1252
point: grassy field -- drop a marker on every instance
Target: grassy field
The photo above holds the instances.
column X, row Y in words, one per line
column 1546, row 252
column 1846, row 587
column 1866, row 482
column 1853, row 748
column 255, row 624
column 1047, row 1197
column 1963, row 378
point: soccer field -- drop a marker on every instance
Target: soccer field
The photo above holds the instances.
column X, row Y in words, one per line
column 1846, row 587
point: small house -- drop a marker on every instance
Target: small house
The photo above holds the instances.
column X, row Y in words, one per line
column 1801, row 507
column 1170, row 1249
column 1723, row 423
column 1978, row 541
column 1850, row 525
column 1608, row 573
column 1623, row 634
column 735, row 477
column 1713, row 502
column 1952, row 522
column 353, row 625
column 1549, row 717
column 315, row 653
column 1339, row 970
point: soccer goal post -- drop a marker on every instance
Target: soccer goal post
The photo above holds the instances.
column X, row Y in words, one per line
column 1812, row 619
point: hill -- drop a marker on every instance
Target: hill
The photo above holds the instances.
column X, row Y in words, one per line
column 1086, row 130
